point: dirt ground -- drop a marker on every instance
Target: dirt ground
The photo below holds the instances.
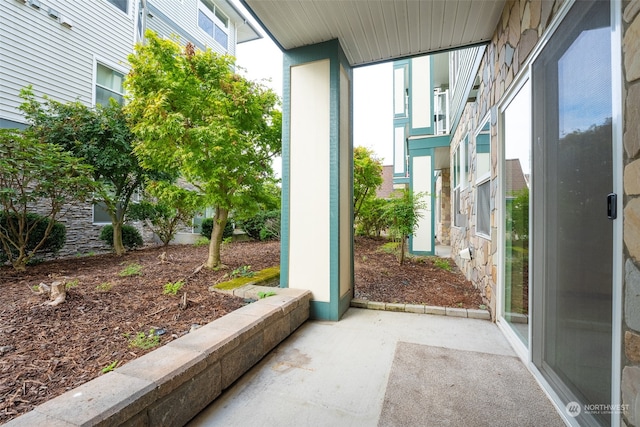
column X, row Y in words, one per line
column 45, row 350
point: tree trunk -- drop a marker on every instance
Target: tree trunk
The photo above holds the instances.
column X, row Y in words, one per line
column 219, row 222
column 403, row 239
column 20, row 263
column 118, row 247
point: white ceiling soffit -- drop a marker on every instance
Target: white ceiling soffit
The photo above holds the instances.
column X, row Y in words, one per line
column 379, row 30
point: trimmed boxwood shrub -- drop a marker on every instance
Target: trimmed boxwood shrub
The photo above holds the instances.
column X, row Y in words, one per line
column 131, row 237
column 207, row 227
column 52, row 245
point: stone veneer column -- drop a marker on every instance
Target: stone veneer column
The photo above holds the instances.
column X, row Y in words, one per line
column 444, row 192
column 631, row 360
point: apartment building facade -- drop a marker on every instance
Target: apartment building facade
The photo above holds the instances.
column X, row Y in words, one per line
column 77, row 51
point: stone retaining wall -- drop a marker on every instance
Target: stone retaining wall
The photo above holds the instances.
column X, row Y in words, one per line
column 172, row 384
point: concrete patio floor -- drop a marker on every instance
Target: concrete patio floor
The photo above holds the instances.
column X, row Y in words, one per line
column 378, row 368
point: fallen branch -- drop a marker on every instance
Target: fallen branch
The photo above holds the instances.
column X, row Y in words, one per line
column 58, row 294
column 197, row 270
column 183, row 303
column 163, row 258
column 157, row 311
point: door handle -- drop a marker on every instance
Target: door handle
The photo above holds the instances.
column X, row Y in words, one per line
column 612, row 205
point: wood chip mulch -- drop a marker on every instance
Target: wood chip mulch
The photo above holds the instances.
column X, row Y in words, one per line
column 45, row 350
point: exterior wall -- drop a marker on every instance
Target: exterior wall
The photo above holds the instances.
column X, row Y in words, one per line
column 309, row 176
column 631, row 138
column 422, row 182
column 83, row 237
column 443, row 192
column 317, row 174
column 461, row 67
column 521, row 26
column 183, row 21
column 60, row 62
column 56, row 60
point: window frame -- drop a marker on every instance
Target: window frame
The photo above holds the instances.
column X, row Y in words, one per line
column 460, row 178
column 126, row 6
column 484, row 178
column 212, row 12
column 96, row 85
column 136, row 197
column 102, row 207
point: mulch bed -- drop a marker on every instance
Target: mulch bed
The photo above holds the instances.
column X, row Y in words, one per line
column 379, row 277
column 45, row 351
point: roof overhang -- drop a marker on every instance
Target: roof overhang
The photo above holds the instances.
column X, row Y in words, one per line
column 372, row 31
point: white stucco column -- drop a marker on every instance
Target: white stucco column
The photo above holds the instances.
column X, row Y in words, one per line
column 317, row 178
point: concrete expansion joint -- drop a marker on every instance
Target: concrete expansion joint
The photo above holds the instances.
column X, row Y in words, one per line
column 470, row 313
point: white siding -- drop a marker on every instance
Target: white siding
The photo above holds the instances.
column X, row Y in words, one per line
column 36, row 49
column 186, row 17
column 462, row 70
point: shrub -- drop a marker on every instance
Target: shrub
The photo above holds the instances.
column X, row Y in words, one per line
column 207, row 227
column 265, row 225
column 371, row 220
column 131, row 270
column 173, row 288
column 131, row 237
column 52, row 244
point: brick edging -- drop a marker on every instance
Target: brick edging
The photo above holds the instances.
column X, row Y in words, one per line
column 470, row 313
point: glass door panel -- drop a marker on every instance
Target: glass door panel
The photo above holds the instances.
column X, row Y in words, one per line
column 517, row 170
column 573, row 236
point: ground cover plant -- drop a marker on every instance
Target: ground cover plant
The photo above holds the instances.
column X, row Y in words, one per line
column 107, row 318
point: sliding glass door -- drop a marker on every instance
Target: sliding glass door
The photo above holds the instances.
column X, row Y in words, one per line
column 572, row 272
column 516, row 170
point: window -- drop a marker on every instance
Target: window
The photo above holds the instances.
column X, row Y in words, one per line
column 483, row 206
column 514, row 202
column 208, row 212
column 120, row 4
column 399, row 155
column 100, row 214
column 212, row 21
column 108, row 85
column 460, row 170
column 483, row 179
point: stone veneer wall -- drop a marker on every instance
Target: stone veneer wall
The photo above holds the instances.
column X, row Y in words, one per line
column 443, row 194
column 83, row 237
column 521, row 26
column 631, row 323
